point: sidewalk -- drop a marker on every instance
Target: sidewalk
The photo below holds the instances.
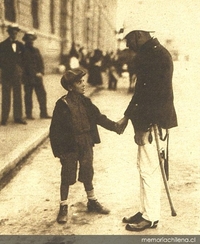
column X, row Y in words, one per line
column 18, row 141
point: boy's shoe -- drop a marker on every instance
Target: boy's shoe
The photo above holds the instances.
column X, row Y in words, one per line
column 95, row 206
column 62, row 215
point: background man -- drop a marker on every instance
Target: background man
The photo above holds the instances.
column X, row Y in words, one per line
column 33, row 77
column 11, row 54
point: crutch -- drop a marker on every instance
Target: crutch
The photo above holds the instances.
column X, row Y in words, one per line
column 161, row 159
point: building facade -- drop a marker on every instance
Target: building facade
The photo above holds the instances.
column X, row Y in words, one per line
column 59, row 23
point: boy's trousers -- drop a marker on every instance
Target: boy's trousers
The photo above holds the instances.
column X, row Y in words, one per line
column 82, row 154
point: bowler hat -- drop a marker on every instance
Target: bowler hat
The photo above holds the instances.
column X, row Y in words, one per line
column 30, row 35
column 13, row 26
column 71, row 76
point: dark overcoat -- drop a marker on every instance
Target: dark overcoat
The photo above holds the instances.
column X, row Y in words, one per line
column 33, row 64
column 152, row 102
column 62, row 134
column 11, row 62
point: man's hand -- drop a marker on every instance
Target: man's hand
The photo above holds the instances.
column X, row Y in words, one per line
column 122, row 123
column 141, row 138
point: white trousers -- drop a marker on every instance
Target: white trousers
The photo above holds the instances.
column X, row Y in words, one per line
column 150, row 180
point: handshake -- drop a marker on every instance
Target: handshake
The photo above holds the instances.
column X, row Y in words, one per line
column 120, row 126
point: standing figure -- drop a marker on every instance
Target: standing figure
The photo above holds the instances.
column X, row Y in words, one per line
column 11, row 55
column 151, row 105
column 73, row 133
column 113, row 76
column 74, row 57
column 33, row 77
column 94, row 69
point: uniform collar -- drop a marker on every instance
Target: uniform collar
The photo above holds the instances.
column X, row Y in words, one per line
column 152, row 43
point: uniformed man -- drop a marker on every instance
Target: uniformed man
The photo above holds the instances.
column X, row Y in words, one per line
column 151, row 104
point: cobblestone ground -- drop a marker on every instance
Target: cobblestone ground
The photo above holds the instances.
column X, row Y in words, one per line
column 30, row 202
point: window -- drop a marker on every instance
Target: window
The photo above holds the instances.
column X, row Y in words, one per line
column 63, row 18
column 35, row 13
column 52, row 16
column 10, row 13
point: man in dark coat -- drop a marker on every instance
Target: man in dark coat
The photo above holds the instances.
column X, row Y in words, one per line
column 94, row 69
column 151, row 105
column 73, row 133
column 33, row 77
column 11, row 55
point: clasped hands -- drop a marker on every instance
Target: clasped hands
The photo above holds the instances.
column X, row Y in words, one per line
column 140, row 137
column 121, row 125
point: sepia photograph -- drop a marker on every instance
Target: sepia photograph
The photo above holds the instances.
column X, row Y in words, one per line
column 99, row 113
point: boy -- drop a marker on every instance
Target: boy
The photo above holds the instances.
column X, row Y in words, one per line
column 73, row 133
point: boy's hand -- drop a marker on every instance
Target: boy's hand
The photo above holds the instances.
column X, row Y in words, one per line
column 121, row 125
column 117, row 129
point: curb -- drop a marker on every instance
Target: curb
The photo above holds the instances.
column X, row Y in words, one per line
column 22, row 151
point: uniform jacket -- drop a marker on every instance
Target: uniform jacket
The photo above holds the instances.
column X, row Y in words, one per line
column 152, row 102
column 62, row 135
column 33, row 63
column 11, row 62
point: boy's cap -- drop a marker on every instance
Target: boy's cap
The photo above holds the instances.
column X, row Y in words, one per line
column 71, row 76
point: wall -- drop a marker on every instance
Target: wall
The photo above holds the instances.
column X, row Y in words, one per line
column 89, row 23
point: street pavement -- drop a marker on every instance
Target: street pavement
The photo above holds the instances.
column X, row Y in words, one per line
column 29, row 204
column 18, row 141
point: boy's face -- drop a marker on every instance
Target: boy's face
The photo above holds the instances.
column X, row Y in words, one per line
column 79, row 86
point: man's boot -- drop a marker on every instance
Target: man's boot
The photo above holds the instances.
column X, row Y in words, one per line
column 95, row 206
column 62, row 215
